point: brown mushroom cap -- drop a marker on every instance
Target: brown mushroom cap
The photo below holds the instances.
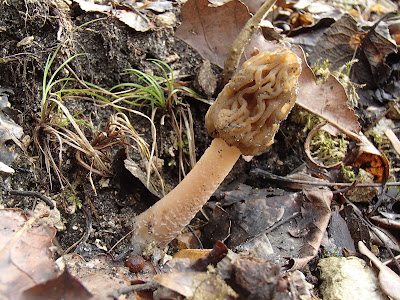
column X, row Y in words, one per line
column 248, row 111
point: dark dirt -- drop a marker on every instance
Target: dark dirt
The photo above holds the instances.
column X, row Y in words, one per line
column 111, row 47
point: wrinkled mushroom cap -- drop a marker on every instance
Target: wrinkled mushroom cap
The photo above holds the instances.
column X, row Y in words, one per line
column 248, row 111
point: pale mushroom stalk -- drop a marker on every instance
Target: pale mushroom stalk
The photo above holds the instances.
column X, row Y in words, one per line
column 243, row 120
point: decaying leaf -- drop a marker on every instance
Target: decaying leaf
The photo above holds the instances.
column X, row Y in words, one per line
column 371, row 160
column 252, row 213
column 315, row 218
column 25, row 254
column 338, row 44
column 339, row 235
column 344, row 41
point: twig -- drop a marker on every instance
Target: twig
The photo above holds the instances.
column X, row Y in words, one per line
column 237, row 48
column 273, row 227
column 88, row 216
column 151, row 285
column 273, row 177
column 374, row 229
column 32, row 194
column 195, row 236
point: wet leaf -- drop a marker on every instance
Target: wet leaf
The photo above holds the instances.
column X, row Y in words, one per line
column 25, row 255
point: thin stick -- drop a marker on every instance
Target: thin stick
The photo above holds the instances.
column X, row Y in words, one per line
column 237, row 48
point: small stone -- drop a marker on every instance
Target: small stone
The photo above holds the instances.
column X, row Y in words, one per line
column 347, row 279
column 167, row 19
column 363, row 194
column 206, row 79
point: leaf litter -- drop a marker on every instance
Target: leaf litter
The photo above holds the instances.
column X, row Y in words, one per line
column 249, row 219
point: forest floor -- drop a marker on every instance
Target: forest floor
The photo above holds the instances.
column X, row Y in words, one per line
column 65, row 145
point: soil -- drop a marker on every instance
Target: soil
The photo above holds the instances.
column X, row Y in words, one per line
column 110, row 47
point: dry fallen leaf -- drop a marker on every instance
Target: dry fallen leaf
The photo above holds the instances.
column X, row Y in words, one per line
column 102, row 274
column 344, row 41
column 371, row 160
column 131, row 18
column 25, row 254
column 328, row 100
column 252, row 212
column 214, row 29
column 192, row 284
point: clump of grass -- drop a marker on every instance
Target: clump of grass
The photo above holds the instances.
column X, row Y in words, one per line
column 58, row 128
column 163, row 93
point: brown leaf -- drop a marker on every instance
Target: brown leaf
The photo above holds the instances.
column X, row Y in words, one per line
column 101, row 274
column 210, row 286
column 218, row 252
column 315, row 218
column 25, row 255
column 328, row 100
column 338, row 44
column 371, row 160
column 213, row 29
column 343, row 41
column 131, row 18
column 252, row 212
column 64, row 286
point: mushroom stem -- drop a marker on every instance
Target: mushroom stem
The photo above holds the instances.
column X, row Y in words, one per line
column 163, row 221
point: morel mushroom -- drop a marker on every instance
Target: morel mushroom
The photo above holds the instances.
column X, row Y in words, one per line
column 243, row 120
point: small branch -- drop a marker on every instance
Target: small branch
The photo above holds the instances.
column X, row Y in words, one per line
column 151, row 285
column 273, row 177
column 32, row 194
column 237, row 48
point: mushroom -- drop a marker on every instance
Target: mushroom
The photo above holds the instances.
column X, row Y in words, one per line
column 243, row 120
